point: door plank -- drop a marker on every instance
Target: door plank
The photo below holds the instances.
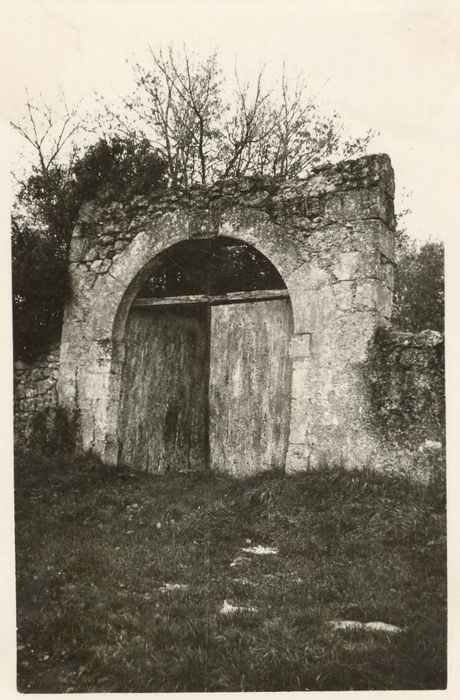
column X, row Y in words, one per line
column 163, row 407
column 249, row 386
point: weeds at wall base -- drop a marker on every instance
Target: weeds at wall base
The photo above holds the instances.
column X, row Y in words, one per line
column 52, row 432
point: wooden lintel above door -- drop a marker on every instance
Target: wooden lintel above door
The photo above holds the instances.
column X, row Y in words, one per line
column 230, row 298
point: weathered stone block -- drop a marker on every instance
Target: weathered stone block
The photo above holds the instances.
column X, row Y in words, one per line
column 366, row 296
column 313, row 310
column 360, row 204
column 344, row 293
column 348, row 266
column 300, row 346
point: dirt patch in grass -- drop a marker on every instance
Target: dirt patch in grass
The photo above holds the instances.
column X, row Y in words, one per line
column 122, row 578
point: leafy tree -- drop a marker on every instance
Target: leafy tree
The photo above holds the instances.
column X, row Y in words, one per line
column 40, row 289
column 117, row 168
column 419, row 286
column 45, row 212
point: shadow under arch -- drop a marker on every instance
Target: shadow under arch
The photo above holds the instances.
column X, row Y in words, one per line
column 269, row 276
column 203, row 266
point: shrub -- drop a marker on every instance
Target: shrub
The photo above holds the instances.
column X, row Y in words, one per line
column 45, row 214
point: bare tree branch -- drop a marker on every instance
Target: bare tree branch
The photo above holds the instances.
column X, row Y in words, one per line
column 178, row 103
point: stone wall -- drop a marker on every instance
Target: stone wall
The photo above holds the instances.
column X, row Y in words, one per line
column 405, row 381
column 333, row 196
column 35, row 398
column 360, row 395
column 330, row 236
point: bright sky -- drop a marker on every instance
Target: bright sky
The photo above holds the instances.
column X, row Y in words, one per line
column 393, row 66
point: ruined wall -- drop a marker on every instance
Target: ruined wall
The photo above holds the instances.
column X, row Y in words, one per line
column 35, row 397
column 405, row 381
column 329, row 235
column 360, row 394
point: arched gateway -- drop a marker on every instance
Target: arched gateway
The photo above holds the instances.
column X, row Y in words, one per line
column 206, row 374
column 227, row 327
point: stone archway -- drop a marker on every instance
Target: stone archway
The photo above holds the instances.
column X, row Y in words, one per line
column 92, row 350
column 330, row 237
column 206, row 375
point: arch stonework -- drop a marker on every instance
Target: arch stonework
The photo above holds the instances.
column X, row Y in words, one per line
column 331, row 237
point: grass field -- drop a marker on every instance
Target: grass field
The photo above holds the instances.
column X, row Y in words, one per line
column 123, row 580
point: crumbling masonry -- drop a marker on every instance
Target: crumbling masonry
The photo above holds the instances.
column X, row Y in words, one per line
column 331, row 238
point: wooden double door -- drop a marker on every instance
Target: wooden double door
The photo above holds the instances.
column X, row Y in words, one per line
column 206, row 385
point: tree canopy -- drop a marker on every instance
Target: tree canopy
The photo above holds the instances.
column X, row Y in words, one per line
column 205, row 129
column 419, row 287
column 43, row 218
